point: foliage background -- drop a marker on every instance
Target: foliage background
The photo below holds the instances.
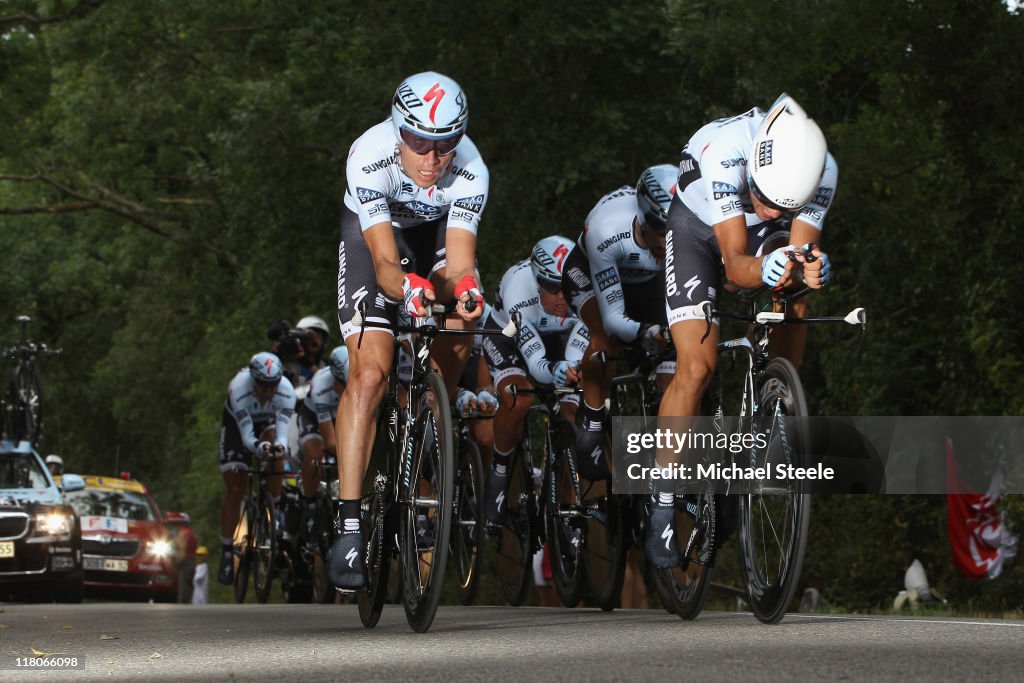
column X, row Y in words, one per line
column 170, row 177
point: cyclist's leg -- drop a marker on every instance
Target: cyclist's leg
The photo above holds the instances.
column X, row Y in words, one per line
column 312, row 444
column 234, row 467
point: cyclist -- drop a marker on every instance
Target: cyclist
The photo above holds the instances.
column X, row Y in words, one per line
column 315, row 418
column 746, row 183
column 257, row 413
column 416, row 187
column 547, row 351
column 620, row 254
column 313, row 345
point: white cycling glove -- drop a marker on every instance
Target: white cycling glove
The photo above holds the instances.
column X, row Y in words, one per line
column 560, row 371
column 773, row 266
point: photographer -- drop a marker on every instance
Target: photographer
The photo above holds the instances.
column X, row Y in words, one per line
column 314, row 341
column 300, row 348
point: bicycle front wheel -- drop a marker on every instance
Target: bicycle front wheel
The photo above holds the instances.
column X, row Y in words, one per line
column 773, row 520
column 515, row 536
column 683, row 589
column 425, row 522
column 565, row 525
column 468, row 520
column 604, row 557
column 264, row 548
column 242, row 550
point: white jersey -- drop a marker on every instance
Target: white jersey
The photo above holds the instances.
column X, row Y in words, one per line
column 713, row 175
column 249, row 412
column 518, row 291
column 322, row 398
column 609, row 242
column 379, row 191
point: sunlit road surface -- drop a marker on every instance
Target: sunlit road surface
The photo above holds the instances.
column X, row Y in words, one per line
column 328, row 643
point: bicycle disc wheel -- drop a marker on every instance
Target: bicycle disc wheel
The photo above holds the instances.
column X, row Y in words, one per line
column 264, row 549
column 242, row 553
column 425, row 520
column 604, row 558
column 468, row 520
column 683, row 589
column 513, row 557
column 773, row 521
column 565, row 526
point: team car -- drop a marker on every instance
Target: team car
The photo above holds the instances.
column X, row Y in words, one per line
column 40, row 536
column 127, row 551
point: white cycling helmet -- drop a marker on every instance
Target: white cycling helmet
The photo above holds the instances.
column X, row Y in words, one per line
column 431, row 105
column 265, row 369
column 312, row 322
column 338, row 362
column 54, row 459
column 548, row 257
column 654, row 192
column 787, row 158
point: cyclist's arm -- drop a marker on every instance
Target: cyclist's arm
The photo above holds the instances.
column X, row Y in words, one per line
column 284, row 412
column 327, row 433
column 460, row 257
column 740, row 269
column 244, row 421
column 483, row 377
column 531, row 346
column 380, row 239
column 801, row 232
column 611, row 299
column 576, row 346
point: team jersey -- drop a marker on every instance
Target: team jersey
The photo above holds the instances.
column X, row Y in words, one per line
column 379, row 191
column 322, row 399
column 713, row 176
column 248, row 411
column 518, row 291
column 609, row 242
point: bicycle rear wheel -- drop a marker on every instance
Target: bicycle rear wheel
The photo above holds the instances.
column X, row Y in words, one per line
column 424, row 551
column 468, row 520
column 378, row 519
column 565, row 525
column 264, row 548
column 773, row 520
column 242, row 551
column 604, row 558
column 514, row 557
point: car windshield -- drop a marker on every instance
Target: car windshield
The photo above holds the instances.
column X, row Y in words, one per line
column 21, row 471
column 124, row 504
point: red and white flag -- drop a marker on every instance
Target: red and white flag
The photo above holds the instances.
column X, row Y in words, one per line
column 981, row 543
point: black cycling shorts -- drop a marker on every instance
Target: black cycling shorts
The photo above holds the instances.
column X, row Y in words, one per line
column 307, row 423
column 693, row 262
column 421, row 248
column 232, row 453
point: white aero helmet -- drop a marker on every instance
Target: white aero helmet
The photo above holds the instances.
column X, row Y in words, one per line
column 787, row 158
column 654, row 192
column 54, row 459
column 430, row 105
column 548, row 257
column 312, row 322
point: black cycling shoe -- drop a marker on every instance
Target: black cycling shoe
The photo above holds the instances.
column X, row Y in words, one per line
column 494, row 496
column 345, row 566
column 590, row 455
column 226, row 575
column 661, row 548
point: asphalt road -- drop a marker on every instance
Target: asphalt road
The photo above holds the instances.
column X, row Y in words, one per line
column 325, row 642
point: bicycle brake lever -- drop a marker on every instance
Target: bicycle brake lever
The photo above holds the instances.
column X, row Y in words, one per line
column 512, row 329
column 857, row 317
column 708, row 310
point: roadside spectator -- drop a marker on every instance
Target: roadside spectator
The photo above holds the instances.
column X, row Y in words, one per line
column 201, row 579
column 184, row 555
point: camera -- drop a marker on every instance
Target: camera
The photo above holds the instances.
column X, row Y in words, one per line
column 288, row 341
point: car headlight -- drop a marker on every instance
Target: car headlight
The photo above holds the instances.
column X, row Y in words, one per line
column 54, row 523
column 161, row 548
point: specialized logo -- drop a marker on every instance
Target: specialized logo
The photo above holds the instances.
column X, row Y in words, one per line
column 501, row 500
column 408, row 96
column 764, row 153
column 653, row 189
column 365, row 195
column 721, row 189
column 474, row 204
column 560, row 253
column 666, row 535
column 351, row 556
column 691, row 285
column 435, row 94
column 607, row 278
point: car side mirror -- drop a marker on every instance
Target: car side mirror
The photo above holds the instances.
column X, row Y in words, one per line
column 71, row 482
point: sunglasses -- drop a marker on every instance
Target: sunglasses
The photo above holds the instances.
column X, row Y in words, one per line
column 756, row 191
column 420, row 145
column 267, row 385
column 549, row 286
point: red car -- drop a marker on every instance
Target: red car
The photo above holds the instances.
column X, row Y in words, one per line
column 126, row 549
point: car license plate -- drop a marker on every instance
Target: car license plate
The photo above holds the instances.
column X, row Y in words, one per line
column 6, row 548
column 104, row 564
